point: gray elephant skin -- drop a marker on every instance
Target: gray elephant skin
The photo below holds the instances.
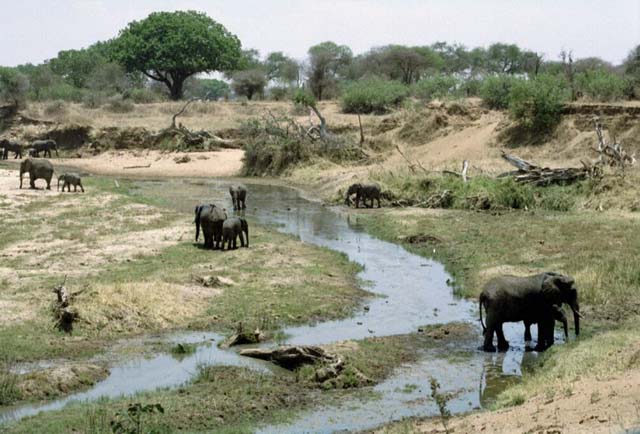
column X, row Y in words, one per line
column 210, row 218
column 44, row 146
column 232, row 229
column 10, row 146
column 69, row 179
column 238, row 196
column 532, row 299
column 363, row 192
column 37, row 169
column 558, row 315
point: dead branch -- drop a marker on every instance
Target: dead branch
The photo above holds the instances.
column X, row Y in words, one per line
column 541, row 176
column 138, row 167
column 462, row 174
column 612, row 154
column 63, row 313
column 173, row 119
column 411, row 165
column 361, row 130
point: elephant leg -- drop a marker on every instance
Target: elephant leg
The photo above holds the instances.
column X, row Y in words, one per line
column 81, row 188
column 503, row 344
column 488, row 335
column 235, row 245
column 378, row 199
column 32, row 183
column 241, row 239
column 527, row 332
column 244, row 205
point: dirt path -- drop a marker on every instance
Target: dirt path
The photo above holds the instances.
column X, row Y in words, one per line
column 586, row 406
column 226, row 162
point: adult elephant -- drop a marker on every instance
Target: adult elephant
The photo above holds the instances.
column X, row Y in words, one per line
column 44, row 146
column 210, row 218
column 10, row 146
column 37, row 169
column 238, row 196
column 363, row 192
column 232, row 229
column 530, row 299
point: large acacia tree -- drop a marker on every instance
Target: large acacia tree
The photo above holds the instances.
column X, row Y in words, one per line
column 169, row 47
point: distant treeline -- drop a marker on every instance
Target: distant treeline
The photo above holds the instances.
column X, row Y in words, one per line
column 164, row 56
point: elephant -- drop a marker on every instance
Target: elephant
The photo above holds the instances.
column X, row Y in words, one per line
column 211, row 218
column 238, row 196
column 9, row 146
column 69, row 179
column 363, row 192
column 44, row 146
column 37, row 169
column 531, row 299
column 232, row 229
column 558, row 315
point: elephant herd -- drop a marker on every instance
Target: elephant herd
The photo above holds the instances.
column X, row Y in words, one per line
column 37, row 147
column 218, row 229
column 38, row 168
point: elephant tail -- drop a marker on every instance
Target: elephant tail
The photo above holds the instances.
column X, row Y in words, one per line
column 482, row 300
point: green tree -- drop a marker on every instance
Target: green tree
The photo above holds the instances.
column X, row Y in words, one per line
column 170, row 47
column 504, row 59
column 13, row 86
column 536, row 104
column 282, row 68
column 455, row 57
column 328, row 61
column 249, row 83
column 75, row 66
column 109, row 77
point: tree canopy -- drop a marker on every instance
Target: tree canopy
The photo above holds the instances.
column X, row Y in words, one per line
column 327, row 62
column 169, row 47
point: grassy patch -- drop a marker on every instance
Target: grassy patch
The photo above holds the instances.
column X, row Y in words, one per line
column 229, row 399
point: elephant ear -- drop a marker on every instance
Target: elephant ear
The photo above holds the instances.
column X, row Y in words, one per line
column 551, row 291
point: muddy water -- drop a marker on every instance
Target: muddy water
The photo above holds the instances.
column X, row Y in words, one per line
column 408, row 291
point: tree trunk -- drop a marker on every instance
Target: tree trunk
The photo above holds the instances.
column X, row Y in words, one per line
column 175, row 89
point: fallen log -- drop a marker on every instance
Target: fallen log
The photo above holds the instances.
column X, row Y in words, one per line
column 138, row 167
column 542, row 176
column 64, row 314
column 290, row 357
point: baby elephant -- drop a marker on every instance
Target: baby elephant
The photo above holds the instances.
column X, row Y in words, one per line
column 238, row 196
column 233, row 228
column 363, row 192
column 69, row 179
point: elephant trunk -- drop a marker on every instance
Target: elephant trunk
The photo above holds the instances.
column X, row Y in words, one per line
column 198, row 211
column 58, row 189
column 576, row 316
column 246, row 231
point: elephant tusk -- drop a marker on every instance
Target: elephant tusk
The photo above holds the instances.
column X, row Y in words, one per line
column 578, row 313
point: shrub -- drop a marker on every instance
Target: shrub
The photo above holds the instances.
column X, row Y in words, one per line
column 495, row 91
column 145, row 96
column 536, row 104
column 54, row 108
column 61, row 91
column 13, row 86
column 373, row 95
column 437, row 86
column 117, row 104
column 93, row 100
column 279, row 93
column 601, row 85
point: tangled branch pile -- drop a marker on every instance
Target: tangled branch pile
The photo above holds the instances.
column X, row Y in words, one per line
column 278, row 143
column 541, row 176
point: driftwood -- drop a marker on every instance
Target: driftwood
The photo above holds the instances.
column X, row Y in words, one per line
column 612, row 154
column 242, row 337
column 463, row 172
column 64, row 314
column 138, row 167
column 541, row 176
column 411, row 165
column 290, row 357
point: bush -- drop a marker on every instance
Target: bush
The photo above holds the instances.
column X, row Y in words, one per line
column 54, row 108
column 145, row 96
column 93, row 100
column 117, row 104
column 13, row 86
column 601, row 85
column 279, row 93
column 62, row 91
column 495, row 91
column 373, row 95
column 536, row 104
column 437, row 86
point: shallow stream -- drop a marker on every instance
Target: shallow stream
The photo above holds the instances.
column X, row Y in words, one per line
column 410, row 291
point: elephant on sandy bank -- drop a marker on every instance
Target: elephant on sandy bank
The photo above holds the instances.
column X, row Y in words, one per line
column 37, row 169
column 210, row 218
column 10, row 146
column 44, row 146
column 363, row 192
column 531, row 299
column 69, row 179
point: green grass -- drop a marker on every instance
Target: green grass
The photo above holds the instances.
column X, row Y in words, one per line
column 232, row 399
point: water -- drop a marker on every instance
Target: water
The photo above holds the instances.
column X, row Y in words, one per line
column 411, row 291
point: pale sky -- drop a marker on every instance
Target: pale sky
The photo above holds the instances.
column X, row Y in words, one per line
column 35, row 30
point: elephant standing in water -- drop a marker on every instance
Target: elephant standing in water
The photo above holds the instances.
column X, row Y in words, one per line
column 363, row 192
column 211, row 218
column 232, row 229
column 558, row 315
column 44, row 146
column 10, row 146
column 69, row 179
column 532, row 299
column 238, row 197
column 37, row 169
